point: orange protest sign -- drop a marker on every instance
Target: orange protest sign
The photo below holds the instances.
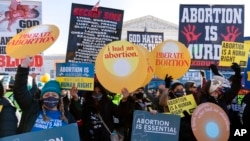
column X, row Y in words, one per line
column 172, row 58
column 32, row 41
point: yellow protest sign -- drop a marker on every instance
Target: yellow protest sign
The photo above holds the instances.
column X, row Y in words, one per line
column 82, row 83
column 234, row 52
column 32, row 41
column 172, row 58
column 121, row 64
column 1, row 107
column 185, row 103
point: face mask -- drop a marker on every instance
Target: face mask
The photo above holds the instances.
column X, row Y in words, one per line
column 50, row 102
column 139, row 95
column 97, row 97
column 179, row 93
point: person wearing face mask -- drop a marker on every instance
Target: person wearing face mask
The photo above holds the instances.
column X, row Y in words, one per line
column 40, row 114
column 97, row 105
column 175, row 90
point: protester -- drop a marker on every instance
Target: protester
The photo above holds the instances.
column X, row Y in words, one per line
column 98, row 106
column 172, row 91
column 191, row 88
column 129, row 103
column 155, row 98
column 37, row 115
column 9, row 117
column 218, row 91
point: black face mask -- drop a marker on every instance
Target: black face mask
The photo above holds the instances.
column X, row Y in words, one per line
column 139, row 95
column 179, row 93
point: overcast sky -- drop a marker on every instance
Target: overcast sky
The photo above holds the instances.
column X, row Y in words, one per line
column 57, row 12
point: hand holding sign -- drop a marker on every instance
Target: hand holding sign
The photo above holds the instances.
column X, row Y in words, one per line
column 32, row 41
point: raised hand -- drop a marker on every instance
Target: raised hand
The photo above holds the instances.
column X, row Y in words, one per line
column 26, row 62
column 189, row 33
column 232, row 33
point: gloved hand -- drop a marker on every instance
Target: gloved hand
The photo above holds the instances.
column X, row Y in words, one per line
column 187, row 116
column 26, row 62
column 214, row 69
column 168, row 80
column 236, row 68
column 202, row 73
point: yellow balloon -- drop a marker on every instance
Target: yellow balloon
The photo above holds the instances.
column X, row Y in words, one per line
column 46, row 77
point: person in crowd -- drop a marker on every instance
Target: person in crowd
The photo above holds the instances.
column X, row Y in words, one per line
column 245, row 113
column 9, row 116
column 129, row 103
column 45, row 112
column 172, row 91
column 155, row 98
column 219, row 92
column 191, row 88
column 97, row 107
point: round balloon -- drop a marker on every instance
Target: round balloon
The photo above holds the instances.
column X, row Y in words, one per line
column 172, row 58
column 32, row 41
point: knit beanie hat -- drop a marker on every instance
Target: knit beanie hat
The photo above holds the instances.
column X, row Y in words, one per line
column 51, row 86
column 214, row 85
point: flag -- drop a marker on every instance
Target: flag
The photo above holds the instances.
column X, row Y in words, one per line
column 96, row 6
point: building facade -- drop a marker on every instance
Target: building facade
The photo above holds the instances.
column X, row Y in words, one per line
column 146, row 23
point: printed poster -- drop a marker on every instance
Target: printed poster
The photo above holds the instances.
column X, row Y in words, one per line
column 53, row 134
column 26, row 15
column 91, row 30
column 202, row 28
column 149, row 127
column 75, row 74
column 146, row 39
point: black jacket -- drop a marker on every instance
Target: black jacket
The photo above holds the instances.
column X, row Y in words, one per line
column 29, row 106
column 8, row 118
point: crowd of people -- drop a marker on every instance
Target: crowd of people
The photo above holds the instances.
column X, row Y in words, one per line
column 95, row 113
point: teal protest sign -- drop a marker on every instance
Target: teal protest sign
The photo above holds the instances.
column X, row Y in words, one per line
column 149, row 127
column 54, row 134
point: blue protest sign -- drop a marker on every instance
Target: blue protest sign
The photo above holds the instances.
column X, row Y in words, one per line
column 54, row 134
column 160, row 127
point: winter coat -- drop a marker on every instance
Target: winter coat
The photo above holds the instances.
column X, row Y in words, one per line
column 8, row 118
column 29, row 106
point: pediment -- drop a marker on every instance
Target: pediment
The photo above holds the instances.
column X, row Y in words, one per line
column 149, row 22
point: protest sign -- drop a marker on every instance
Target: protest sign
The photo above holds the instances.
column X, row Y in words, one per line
column 210, row 122
column 172, row 58
column 9, row 27
column 91, row 30
column 53, row 134
column 80, row 75
column 185, row 103
column 233, row 52
column 202, row 28
column 32, row 41
column 146, row 39
column 149, row 127
column 121, row 64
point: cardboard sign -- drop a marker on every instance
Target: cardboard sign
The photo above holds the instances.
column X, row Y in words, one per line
column 210, row 122
column 234, row 52
column 185, row 103
column 149, row 127
column 32, row 41
column 54, row 134
column 172, row 58
column 121, row 64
